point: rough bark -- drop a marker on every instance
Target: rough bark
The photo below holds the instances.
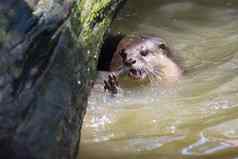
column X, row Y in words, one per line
column 48, row 54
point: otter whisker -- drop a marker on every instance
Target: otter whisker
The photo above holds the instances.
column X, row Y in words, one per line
column 146, row 71
column 151, row 76
column 156, row 75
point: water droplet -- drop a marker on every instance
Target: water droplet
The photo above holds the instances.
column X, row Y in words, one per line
column 216, row 107
column 79, row 82
column 172, row 129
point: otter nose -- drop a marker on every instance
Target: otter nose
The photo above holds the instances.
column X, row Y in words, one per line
column 127, row 61
column 130, row 62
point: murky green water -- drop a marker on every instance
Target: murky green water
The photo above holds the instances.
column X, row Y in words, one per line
column 198, row 118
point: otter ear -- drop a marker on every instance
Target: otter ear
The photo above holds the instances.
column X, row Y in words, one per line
column 165, row 49
column 162, row 46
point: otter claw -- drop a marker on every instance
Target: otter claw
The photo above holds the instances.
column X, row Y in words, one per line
column 111, row 84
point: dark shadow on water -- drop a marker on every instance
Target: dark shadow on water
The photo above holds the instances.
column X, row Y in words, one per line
column 108, row 48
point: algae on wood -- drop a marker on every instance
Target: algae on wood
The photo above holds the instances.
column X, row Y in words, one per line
column 48, row 54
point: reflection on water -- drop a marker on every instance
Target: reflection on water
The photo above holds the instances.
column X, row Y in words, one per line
column 198, row 118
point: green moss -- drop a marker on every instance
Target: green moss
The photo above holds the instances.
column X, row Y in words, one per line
column 89, row 24
column 89, row 14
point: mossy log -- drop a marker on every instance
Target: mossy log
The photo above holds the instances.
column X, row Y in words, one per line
column 48, row 55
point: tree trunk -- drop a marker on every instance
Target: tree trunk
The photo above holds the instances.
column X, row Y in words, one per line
column 48, row 55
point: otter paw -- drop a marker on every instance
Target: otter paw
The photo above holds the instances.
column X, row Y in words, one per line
column 111, row 84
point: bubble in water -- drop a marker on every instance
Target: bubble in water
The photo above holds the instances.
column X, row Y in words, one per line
column 79, row 82
column 172, row 129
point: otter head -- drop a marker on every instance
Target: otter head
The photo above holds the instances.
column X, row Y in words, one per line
column 141, row 57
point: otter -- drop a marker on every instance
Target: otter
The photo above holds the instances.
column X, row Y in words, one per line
column 141, row 58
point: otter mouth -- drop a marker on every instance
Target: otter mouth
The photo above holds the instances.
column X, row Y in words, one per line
column 137, row 74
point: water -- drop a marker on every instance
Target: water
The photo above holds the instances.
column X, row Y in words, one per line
column 196, row 119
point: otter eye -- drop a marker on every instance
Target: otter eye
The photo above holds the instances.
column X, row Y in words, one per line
column 144, row 53
column 162, row 46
